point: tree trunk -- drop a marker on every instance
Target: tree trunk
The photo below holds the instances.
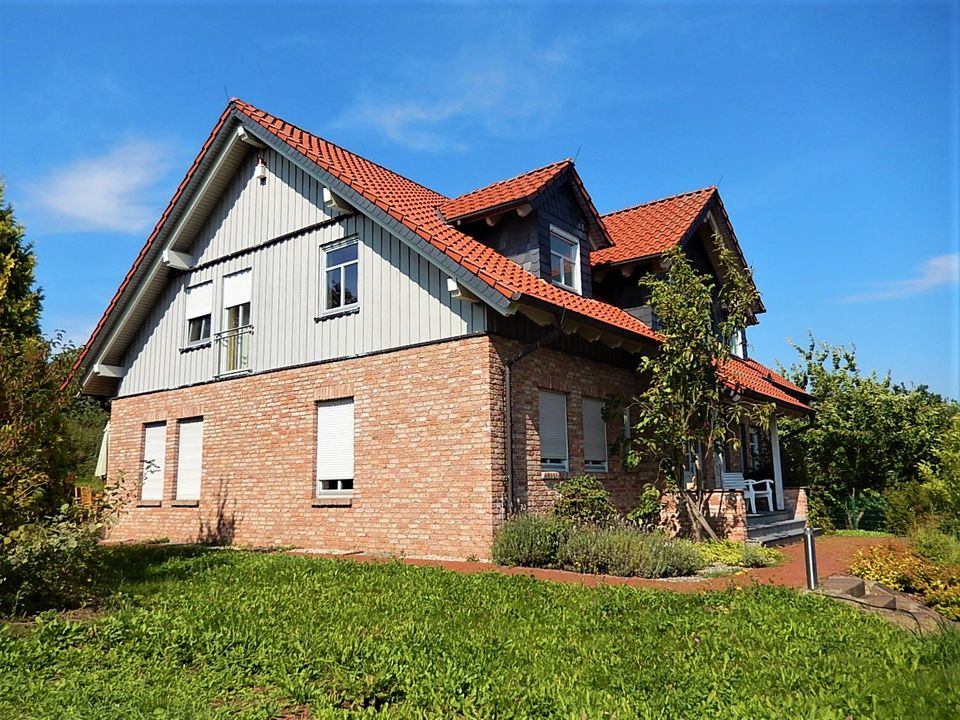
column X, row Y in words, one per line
column 697, row 520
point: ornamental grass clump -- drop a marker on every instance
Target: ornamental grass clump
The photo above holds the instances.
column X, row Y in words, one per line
column 628, row 553
column 529, row 541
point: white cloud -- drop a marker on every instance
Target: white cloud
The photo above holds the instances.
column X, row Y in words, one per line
column 502, row 85
column 937, row 272
column 113, row 191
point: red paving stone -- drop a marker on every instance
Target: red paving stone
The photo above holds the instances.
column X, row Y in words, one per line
column 834, row 555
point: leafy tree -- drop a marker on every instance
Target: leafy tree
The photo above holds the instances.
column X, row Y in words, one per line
column 686, row 404
column 870, row 436
column 19, row 300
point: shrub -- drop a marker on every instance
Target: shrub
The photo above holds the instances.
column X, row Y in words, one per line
column 818, row 514
column 646, row 515
column 937, row 546
column 902, row 569
column 52, row 564
column 627, row 552
column 727, row 552
column 584, row 501
column 529, row 541
column 910, row 507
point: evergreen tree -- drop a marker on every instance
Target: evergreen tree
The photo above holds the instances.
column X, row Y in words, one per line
column 19, row 300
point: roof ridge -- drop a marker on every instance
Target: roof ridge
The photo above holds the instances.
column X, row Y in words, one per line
column 512, row 179
column 237, row 102
column 708, row 188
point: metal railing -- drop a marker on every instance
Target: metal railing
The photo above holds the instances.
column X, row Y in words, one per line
column 233, row 350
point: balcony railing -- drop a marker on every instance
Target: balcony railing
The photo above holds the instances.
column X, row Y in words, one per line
column 233, row 350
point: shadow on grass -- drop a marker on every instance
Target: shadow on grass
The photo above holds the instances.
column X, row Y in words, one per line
column 125, row 565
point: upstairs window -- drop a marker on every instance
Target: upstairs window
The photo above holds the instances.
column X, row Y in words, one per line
column 738, row 344
column 594, row 436
column 564, row 260
column 236, row 337
column 553, row 431
column 341, row 266
column 199, row 305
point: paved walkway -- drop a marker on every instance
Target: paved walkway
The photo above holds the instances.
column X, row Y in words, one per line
column 834, row 555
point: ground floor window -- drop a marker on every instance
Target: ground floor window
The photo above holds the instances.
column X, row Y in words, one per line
column 335, row 432
column 154, row 450
column 553, row 431
column 594, row 436
column 189, row 458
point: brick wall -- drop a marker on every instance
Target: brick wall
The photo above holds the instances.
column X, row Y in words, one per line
column 428, row 478
column 577, row 378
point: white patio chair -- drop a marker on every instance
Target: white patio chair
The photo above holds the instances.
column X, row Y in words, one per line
column 752, row 489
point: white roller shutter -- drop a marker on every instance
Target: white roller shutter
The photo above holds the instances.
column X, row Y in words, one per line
column 189, row 459
column 199, row 300
column 553, row 430
column 594, row 435
column 334, row 442
column 154, row 449
column 237, row 288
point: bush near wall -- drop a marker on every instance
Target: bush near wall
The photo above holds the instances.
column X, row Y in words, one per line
column 545, row 541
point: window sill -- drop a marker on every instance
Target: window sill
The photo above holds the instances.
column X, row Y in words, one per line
column 337, row 313
column 195, row 346
column 185, row 503
column 149, row 503
column 333, row 501
column 233, row 373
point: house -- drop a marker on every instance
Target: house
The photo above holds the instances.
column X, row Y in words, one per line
column 313, row 350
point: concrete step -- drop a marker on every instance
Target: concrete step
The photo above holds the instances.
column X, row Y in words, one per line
column 844, row 585
column 768, row 517
column 777, row 526
column 879, row 599
column 788, row 532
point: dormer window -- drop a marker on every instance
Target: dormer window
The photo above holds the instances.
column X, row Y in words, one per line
column 564, row 259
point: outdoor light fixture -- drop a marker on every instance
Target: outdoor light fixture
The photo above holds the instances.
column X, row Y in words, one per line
column 261, row 172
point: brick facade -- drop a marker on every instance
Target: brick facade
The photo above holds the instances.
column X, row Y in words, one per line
column 577, row 378
column 428, row 478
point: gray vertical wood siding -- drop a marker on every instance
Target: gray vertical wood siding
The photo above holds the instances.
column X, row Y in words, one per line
column 403, row 298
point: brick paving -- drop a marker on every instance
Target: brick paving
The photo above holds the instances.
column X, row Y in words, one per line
column 834, row 554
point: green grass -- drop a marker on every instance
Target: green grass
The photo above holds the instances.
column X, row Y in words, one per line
column 221, row 634
column 863, row 533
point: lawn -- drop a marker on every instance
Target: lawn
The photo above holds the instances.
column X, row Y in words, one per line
column 193, row 633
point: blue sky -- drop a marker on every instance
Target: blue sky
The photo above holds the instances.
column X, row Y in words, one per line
column 831, row 129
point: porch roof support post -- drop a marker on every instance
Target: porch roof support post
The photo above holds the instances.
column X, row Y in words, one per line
column 777, row 469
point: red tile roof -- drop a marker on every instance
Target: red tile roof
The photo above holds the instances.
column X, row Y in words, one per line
column 651, row 228
column 503, row 193
column 750, row 375
column 414, row 206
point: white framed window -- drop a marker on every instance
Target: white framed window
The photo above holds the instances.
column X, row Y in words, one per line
column 738, row 344
column 564, row 259
column 553, row 431
column 199, row 311
column 234, row 341
column 189, row 458
column 594, row 436
column 154, row 452
column 335, row 430
column 340, row 268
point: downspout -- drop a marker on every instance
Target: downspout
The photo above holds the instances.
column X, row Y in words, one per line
column 508, row 407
